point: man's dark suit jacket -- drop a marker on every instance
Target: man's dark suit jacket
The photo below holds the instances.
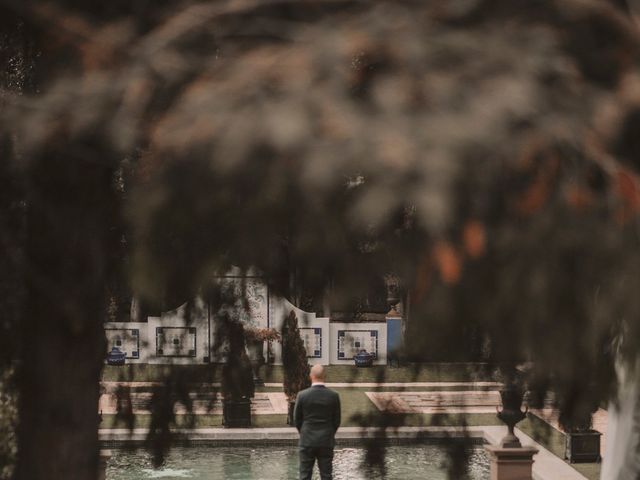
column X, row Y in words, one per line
column 317, row 416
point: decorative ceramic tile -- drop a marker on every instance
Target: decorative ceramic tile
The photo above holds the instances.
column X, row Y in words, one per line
column 312, row 339
column 125, row 339
column 350, row 342
column 176, row 341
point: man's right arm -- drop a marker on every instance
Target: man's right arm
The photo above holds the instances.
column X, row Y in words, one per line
column 297, row 413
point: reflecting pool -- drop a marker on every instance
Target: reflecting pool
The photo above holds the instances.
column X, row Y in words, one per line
column 281, row 463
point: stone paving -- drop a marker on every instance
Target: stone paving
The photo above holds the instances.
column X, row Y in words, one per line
column 112, row 385
column 264, row 403
column 470, row 385
column 476, row 401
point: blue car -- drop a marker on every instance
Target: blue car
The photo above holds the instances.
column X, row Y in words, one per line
column 364, row 359
column 116, row 357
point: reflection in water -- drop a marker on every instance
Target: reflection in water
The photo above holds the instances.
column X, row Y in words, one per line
column 167, row 473
column 272, row 463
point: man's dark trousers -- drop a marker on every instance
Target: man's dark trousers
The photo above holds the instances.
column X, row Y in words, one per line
column 317, row 418
column 308, row 456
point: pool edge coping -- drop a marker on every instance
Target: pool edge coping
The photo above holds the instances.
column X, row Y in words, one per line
column 547, row 466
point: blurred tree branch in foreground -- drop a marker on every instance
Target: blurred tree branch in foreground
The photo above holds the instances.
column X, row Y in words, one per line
column 485, row 152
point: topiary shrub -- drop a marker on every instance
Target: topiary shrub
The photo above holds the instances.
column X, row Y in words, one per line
column 294, row 359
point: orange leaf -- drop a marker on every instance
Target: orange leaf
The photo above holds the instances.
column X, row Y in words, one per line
column 628, row 188
column 534, row 198
column 448, row 262
column 423, row 279
column 474, row 237
column 546, row 163
column 578, row 197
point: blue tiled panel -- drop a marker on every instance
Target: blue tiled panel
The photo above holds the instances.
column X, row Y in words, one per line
column 342, row 335
column 317, row 352
column 161, row 343
column 134, row 335
column 340, row 353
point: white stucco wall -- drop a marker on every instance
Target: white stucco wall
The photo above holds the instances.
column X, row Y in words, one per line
column 280, row 309
column 261, row 310
column 177, row 327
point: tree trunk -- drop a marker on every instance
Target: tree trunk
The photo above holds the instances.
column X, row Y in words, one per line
column 63, row 347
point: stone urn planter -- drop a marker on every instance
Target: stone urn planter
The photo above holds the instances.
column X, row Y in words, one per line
column 116, row 357
column 271, row 358
column 256, row 337
column 256, row 355
column 509, row 459
column 511, row 413
column 363, row 359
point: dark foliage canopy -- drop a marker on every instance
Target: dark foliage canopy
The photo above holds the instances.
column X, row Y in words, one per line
column 484, row 152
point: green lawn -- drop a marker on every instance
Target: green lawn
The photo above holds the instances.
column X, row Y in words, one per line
column 357, row 410
column 451, row 372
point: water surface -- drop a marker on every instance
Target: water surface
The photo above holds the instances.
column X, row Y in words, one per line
column 415, row 462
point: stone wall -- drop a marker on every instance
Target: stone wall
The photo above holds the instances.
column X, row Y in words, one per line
column 180, row 336
column 186, row 335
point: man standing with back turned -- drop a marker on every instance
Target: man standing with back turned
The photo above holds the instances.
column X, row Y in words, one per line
column 317, row 417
